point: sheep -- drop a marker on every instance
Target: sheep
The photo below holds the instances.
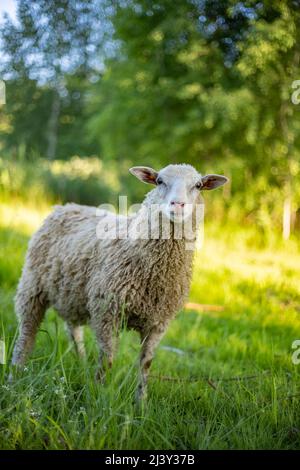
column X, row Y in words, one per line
column 90, row 275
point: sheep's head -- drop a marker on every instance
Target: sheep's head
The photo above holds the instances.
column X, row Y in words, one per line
column 178, row 188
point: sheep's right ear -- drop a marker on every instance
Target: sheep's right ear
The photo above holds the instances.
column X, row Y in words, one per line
column 213, row 181
column 144, row 173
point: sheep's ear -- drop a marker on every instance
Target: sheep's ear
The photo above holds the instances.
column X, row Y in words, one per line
column 144, row 173
column 213, row 181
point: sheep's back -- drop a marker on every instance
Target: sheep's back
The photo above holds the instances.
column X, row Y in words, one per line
column 60, row 255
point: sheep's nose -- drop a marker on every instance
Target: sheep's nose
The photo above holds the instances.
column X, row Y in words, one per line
column 177, row 204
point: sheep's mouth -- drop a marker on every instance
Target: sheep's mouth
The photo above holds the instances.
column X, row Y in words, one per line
column 175, row 215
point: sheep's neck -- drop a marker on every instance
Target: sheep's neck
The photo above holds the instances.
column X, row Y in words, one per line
column 160, row 240
column 154, row 225
column 165, row 270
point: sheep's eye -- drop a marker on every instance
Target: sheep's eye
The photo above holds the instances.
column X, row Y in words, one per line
column 198, row 185
column 159, row 181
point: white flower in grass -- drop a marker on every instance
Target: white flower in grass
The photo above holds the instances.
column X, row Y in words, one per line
column 35, row 414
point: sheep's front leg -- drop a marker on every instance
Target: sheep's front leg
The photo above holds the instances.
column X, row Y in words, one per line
column 150, row 340
column 105, row 329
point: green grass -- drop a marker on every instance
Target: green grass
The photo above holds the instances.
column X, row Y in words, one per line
column 234, row 386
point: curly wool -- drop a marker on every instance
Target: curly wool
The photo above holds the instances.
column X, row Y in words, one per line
column 79, row 275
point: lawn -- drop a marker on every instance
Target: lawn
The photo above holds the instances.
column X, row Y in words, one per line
column 223, row 376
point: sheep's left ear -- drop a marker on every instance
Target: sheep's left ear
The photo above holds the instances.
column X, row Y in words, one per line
column 144, row 173
column 213, row 181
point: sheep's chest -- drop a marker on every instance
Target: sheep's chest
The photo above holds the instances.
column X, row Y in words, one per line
column 155, row 287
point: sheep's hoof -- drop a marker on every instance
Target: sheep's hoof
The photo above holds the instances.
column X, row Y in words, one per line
column 82, row 354
column 10, row 378
column 140, row 396
column 100, row 376
column 15, row 373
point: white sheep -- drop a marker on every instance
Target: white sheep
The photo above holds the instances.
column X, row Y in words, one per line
column 94, row 276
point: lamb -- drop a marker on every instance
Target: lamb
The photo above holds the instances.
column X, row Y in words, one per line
column 76, row 264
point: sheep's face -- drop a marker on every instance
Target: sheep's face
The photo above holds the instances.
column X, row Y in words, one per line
column 178, row 188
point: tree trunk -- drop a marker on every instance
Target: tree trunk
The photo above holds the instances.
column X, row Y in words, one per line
column 53, row 126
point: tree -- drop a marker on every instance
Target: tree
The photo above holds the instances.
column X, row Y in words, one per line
column 205, row 81
column 49, row 43
column 172, row 91
column 269, row 63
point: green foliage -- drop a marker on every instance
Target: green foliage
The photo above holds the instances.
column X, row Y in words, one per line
column 48, row 64
column 176, row 93
column 81, row 180
column 207, row 83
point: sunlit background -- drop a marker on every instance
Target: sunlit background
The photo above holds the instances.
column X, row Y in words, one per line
column 95, row 87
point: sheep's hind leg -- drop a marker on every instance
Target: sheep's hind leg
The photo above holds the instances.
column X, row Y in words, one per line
column 31, row 311
column 77, row 336
column 150, row 340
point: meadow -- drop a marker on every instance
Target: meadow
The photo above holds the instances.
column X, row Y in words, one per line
column 128, row 83
column 222, row 378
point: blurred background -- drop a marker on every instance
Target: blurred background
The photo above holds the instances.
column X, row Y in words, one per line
column 93, row 87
